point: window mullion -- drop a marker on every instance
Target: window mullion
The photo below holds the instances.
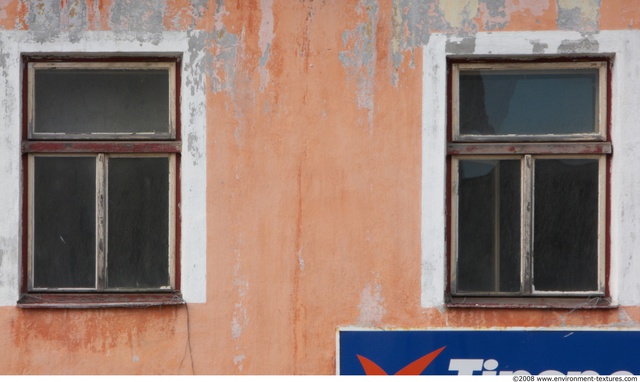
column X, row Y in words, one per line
column 101, row 172
column 527, row 226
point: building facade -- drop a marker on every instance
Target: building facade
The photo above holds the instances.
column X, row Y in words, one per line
column 311, row 164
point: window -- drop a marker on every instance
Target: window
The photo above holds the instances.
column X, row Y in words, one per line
column 101, row 150
column 528, row 156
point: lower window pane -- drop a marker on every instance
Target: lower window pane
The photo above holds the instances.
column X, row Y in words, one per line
column 488, row 246
column 565, row 244
column 64, row 222
column 138, row 223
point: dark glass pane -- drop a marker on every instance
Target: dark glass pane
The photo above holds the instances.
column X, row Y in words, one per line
column 565, row 242
column 528, row 103
column 488, row 226
column 101, row 101
column 138, row 223
column 64, row 203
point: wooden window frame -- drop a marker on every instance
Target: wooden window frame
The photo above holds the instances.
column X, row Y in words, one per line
column 101, row 146
column 98, row 65
column 600, row 133
column 527, row 148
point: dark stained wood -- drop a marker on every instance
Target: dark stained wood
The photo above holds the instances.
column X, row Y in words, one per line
column 572, row 303
column 529, row 148
column 102, row 146
column 102, row 300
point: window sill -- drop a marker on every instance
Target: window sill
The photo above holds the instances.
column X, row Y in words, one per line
column 95, row 301
column 531, row 302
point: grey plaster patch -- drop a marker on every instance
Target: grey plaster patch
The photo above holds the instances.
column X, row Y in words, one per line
column 215, row 68
column 73, row 19
column 3, row 61
column 200, row 7
column 193, row 147
column 265, row 39
column 200, row 61
column 219, row 5
column 142, row 17
column 538, row 47
column 262, row 70
column 43, row 19
column 219, row 66
column 265, row 56
column 362, row 54
column 411, row 21
column 467, row 45
column 575, row 18
column 224, row 59
column 216, row 54
column 585, row 45
column 411, row 25
column 569, row 19
column 496, row 11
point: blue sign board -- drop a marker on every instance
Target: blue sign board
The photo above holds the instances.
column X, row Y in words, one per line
column 489, row 352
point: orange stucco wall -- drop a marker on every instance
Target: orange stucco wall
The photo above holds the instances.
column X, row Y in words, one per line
column 313, row 184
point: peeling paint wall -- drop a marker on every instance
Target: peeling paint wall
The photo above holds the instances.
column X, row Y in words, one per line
column 360, row 57
column 312, row 169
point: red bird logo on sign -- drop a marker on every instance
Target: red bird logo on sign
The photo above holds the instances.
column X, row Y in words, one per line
column 414, row 368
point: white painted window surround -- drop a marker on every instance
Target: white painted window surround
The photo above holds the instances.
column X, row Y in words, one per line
column 624, row 228
column 193, row 165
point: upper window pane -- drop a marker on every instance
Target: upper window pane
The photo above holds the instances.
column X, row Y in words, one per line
column 529, row 101
column 92, row 102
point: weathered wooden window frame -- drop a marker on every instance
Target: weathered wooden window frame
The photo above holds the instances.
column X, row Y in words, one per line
column 101, row 146
column 102, row 168
column 97, row 65
column 526, row 149
column 548, row 67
